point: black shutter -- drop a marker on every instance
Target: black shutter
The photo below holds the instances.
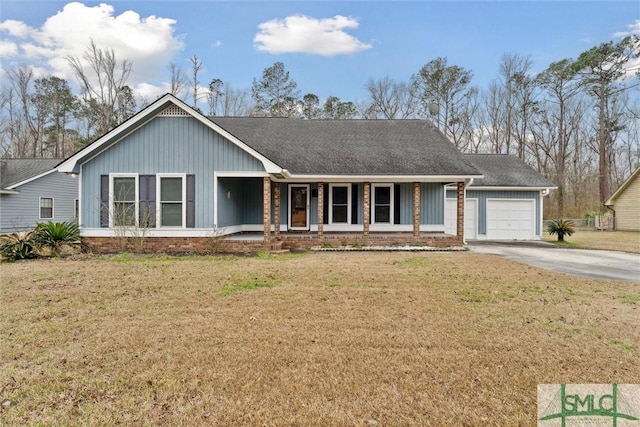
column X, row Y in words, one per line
column 104, row 201
column 354, row 203
column 191, row 204
column 147, row 194
column 396, row 204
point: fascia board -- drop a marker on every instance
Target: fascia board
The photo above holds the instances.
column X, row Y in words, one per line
column 26, row 181
column 375, row 178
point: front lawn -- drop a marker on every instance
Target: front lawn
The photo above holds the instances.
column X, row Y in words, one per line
column 625, row 241
column 324, row 339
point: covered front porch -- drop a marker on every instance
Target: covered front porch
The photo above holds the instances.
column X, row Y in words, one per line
column 339, row 214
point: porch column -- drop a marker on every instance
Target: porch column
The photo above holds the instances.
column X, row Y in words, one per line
column 416, row 209
column 460, row 222
column 367, row 207
column 266, row 204
column 276, row 206
column 320, row 208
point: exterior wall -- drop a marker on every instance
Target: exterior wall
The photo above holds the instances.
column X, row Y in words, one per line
column 239, row 201
column 432, row 203
column 627, row 207
column 483, row 195
column 20, row 212
column 167, row 145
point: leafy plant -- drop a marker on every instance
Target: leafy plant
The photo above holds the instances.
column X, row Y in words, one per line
column 561, row 227
column 57, row 235
column 16, row 246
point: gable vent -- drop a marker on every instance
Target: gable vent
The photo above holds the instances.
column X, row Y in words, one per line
column 174, row 111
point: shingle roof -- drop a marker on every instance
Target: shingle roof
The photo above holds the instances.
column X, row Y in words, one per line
column 13, row 171
column 350, row 147
column 504, row 170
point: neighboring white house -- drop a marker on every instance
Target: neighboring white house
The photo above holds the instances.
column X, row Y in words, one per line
column 31, row 191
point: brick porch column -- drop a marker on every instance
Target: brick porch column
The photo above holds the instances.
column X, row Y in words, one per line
column 416, row 209
column 276, row 206
column 320, row 208
column 460, row 222
column 367, row 207
column 266, row 205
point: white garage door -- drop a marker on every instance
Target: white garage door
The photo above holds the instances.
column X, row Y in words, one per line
column 510, row 219
column 470, row 218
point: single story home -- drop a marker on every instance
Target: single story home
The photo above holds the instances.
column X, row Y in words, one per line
column 31, row 192
column 625, row 203
column 506, row 204
column 249, row 182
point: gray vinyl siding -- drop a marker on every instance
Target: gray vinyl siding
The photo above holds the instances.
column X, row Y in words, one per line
column 168, row 145
column 20, row 212
column 432, row 203
column 483, row 195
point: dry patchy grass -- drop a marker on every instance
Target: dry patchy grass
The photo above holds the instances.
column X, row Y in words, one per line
column 626, row 241
column 327, row 339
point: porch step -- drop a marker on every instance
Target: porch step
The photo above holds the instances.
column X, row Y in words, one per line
column 277, row 247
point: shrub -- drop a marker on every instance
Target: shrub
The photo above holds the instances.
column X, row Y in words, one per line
column 16, row 246
column 57, row 235
column 560, row 227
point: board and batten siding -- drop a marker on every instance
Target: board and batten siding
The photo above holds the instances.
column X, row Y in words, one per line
column 483, row 195
column 167, row 145
column 21, row 211
column 627, row 207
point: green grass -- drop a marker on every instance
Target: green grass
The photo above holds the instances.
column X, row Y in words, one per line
column 251, row 284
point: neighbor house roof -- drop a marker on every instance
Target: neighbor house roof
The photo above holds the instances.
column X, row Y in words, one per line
column 505, row 170
column 15, row 172
column 623, row 187
column 350, row 147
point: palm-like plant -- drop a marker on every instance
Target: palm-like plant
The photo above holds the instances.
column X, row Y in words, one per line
column 57, row 235
column 561, row 227
column 17, row 246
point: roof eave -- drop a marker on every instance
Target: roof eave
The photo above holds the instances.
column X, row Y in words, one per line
column 290, row 177
column 622, row 187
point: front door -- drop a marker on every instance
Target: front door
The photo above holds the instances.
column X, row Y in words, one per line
column 299, row 207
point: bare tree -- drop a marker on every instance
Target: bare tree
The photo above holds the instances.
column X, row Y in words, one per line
column 196, row 65
column 390, row 100
column 101, row 84
column 178, row 80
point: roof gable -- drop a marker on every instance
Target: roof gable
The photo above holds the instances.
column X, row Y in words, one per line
column 167, row 105
column 623, row 187
column 351, row 147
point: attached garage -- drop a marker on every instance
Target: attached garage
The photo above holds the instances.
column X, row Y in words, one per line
column 506, row 204
column 509, row 219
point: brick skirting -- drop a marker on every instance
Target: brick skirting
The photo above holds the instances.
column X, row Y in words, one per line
column 211, row 245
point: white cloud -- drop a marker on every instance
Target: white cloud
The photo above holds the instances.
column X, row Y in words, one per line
column 149, row 42
column 633, row 29
column 217, row 43
column 303, row 34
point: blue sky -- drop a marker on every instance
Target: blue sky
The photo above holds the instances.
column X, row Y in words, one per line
column 329, row 48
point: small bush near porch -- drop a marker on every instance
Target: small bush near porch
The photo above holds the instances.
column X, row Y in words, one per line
column 328, row 339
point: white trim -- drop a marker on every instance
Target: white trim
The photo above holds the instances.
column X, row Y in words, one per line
column 126, row 128
column 374, row 178
column 504, row 188
column 9, row 192
column 339, row 185
column 53, row 204
column 352, row 228
column 290, row 205
column 437, row 228
column 111, row 196
column 80, row 199
column 391, row 203
column 28, row 180
column 240, row 174
column 159, row 177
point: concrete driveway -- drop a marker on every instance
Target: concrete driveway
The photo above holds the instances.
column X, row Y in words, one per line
column 582, row 262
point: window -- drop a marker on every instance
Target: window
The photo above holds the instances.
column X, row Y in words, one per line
column 124, row 201
column 46, row 208
column 172, row 201
column 382, row 204
column 339, row 203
